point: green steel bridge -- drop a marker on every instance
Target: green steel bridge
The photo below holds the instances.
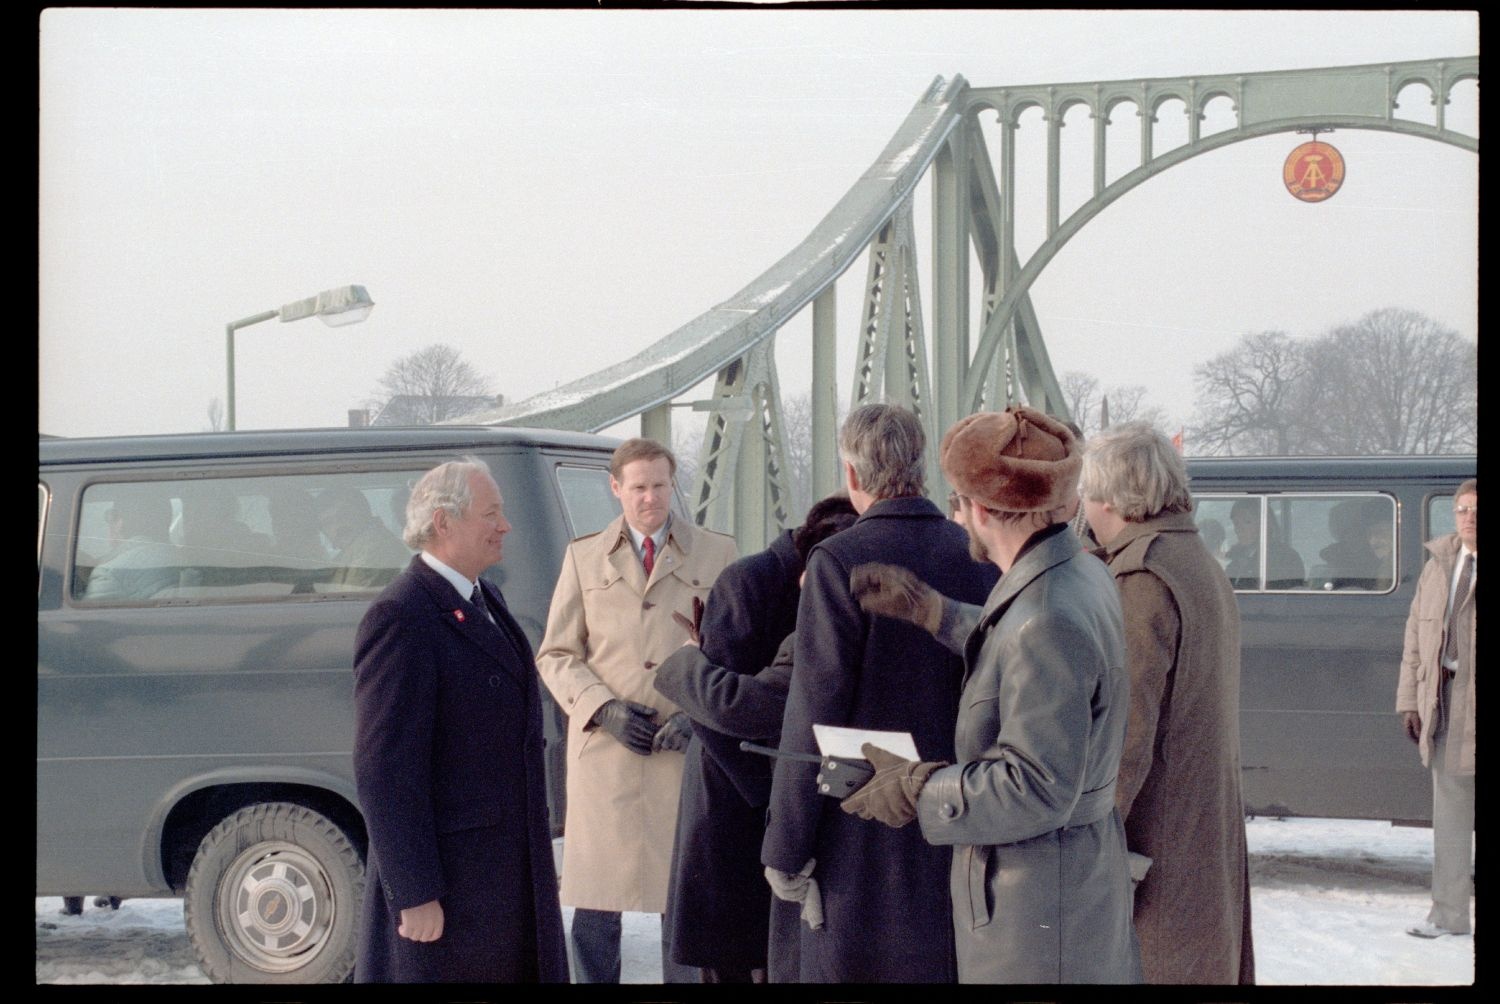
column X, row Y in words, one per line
column 741, row 480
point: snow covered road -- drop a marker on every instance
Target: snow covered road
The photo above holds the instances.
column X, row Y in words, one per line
column 1330, row 899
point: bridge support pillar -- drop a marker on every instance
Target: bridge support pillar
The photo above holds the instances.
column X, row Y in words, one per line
column 825, row 395
column 656, row 423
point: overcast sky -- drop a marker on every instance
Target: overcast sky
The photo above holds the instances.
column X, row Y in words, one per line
column 552, row 191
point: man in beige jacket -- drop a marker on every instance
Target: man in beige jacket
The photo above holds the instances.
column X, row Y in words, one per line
column 1435, row 697
column 609, row 627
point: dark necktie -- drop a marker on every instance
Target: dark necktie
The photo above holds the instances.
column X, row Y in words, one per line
column 477, row 598
column 1458, row 619
column 648, row 554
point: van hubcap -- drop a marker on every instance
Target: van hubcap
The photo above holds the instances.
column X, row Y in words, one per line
column 275, row 906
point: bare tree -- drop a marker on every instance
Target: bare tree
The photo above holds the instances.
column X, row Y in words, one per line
column 1128, row 404
column 430, row 385
column 215, row 414
column 1246, row 397
column 1080, row 393
column 796, row 426
column 1394, row 381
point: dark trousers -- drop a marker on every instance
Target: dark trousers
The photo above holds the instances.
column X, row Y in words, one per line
column 596, row 950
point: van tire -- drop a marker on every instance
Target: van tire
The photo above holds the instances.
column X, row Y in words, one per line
column 273, row 896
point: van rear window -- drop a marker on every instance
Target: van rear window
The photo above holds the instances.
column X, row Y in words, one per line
column 1326, row 542
column 252, row 538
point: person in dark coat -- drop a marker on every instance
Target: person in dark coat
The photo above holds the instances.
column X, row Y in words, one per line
column 884, row 897
column 459, row 882
column 1040, row 882
column 734, row 687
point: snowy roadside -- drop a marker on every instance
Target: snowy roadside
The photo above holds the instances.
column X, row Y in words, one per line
column 1331, row 901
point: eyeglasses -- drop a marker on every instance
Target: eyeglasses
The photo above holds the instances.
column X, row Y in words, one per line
column 1465, row 510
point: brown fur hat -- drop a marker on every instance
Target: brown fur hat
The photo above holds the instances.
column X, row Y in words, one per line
column 1016, row 460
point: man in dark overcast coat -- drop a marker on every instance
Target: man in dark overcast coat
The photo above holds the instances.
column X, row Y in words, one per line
column 886, row 915
column 719, row 903
column 460, row 884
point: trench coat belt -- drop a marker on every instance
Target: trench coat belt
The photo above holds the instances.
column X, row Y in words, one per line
column 1092, row 806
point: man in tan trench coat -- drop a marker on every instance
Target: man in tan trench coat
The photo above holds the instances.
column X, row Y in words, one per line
column 1435, row 697
column 609, row 627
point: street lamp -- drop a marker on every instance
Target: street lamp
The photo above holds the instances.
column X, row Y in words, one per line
column 335, row 307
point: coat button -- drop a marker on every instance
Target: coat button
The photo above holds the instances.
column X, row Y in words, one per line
column 647, row 604
column 494, row 681
column 650, row 665
column 948, row 810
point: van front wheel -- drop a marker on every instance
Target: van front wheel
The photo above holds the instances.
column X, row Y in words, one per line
column 273, row 897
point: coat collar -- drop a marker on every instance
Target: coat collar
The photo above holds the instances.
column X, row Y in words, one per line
column 1446, row 549
column 471, row 624
column 785, row 552
column 617, row 533
column 1045, row 554
column 627, row 564
column 1173, row 522
column 910, row 506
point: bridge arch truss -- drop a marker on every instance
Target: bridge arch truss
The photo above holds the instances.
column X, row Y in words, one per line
column 742, row 480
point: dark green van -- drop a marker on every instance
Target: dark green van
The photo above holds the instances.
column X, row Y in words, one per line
column 195, row 631
column 1324, row 555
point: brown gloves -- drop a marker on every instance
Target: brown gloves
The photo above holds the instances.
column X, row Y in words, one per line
column 890, row 796
column 892, row 591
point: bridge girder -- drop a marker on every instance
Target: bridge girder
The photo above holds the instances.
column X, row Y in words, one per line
column 742, row 481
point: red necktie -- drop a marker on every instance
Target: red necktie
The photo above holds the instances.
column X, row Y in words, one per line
column 648, row 556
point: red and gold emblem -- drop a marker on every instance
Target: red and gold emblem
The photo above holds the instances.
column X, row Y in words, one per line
column 1313, row 171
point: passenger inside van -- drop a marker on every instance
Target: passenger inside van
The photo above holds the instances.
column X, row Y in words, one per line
column 1284, row 567
column 1352, row 562
column 142, row 562
column 369, row 555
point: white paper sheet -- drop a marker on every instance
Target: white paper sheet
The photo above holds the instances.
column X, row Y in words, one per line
column 838, row 740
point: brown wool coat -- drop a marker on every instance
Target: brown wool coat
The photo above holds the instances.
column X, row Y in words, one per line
column 1179, row 781
column 607, row 631
column 1426, row 629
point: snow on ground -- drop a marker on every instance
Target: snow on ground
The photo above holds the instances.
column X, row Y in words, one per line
column 1330, row 900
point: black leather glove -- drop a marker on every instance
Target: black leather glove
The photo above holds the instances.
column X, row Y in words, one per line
column 634, row 725
column 674, row 735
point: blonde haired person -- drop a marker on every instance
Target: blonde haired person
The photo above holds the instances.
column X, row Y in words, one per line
column 1179, row 783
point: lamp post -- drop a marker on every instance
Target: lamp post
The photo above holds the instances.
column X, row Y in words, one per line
column 335, row 307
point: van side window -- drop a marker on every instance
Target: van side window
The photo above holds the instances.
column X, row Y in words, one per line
column 1326, row 542
column 1234, row 527
column 1440, row 519
column 1350, row 540
column 250, row 538
column 589, row 503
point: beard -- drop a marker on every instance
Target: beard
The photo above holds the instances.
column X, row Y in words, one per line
column 977, row 550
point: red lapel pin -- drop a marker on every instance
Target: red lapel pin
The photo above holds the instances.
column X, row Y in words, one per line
column 460, row 615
